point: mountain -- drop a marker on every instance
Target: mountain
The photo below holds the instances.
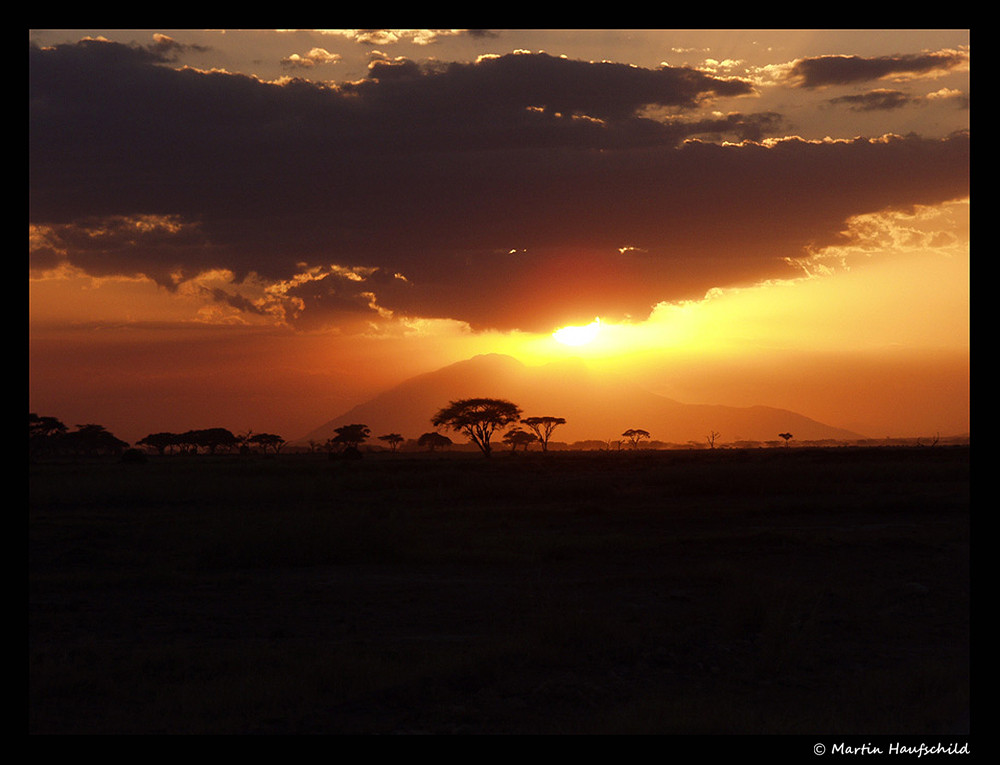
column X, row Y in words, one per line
column 595, row 406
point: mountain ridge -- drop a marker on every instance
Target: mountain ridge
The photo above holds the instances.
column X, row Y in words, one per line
column 596, row 406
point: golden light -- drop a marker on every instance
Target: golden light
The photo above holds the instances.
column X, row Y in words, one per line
column 578, row 335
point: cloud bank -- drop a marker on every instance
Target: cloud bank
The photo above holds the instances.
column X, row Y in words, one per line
column 823, row 71
column 518, row 191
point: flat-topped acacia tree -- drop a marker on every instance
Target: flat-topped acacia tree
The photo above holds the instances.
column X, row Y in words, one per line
column 635, row 435
column 478, row 418
column 393, row 439
column 542, row 427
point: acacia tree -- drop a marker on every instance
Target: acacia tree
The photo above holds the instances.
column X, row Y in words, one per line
column 267, row 441
column 517, row 437
column 351, row 436
column 159, row 441
column 635, row 435
column 44, row 427
column 211, row 439
column 93, row 439
column 478, row 418
column 43, row 433
column 393, row 439
column 433, row 440
column 786, row 436
column 542, row 427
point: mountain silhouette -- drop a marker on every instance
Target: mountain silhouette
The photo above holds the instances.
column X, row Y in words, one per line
column 595, row 406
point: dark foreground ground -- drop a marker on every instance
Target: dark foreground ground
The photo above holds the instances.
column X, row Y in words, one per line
column 776, row 591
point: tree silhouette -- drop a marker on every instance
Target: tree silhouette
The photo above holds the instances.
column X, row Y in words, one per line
column 786, row 436
column 478, row 418
column 159, row 441
column 433, row 440
column 351, row 436
column 711, row 439
column 267, row 441
column 542, row 427
column 43, row 427
column 49, row 435
column 244, row 441
column 518, row 437
column 393, row 439
column 635, row 435
column 44, row 434
column 92, row 439
column 211, row 439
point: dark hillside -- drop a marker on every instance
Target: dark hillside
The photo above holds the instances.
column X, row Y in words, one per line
column 595, row 405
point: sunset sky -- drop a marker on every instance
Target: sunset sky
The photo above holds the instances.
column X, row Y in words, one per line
column 259, row 229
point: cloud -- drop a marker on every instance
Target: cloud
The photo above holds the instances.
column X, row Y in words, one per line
column 393, row 36
column 315, row 57
column 960, row 99
column 160, row 247
column 168, row 48
column 518, row 191
column 823, row 71
column 874, row 100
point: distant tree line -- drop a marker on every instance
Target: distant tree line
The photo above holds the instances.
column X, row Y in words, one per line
column 478, row 419
column 49, row 436
column 212, row 441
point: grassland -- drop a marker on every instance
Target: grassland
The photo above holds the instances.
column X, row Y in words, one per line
column 769, row 591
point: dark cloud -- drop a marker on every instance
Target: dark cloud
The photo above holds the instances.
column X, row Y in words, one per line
column 235, row 300
column 163, row 248
column 874, row 100
column 604, row 90
column 821, row 71
column 169, row 49
column 518, row 191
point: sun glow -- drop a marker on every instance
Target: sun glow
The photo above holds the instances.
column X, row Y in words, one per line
column 579, row 335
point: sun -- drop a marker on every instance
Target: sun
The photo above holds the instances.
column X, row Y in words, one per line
column 579, row 335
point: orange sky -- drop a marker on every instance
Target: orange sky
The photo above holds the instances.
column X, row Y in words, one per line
column 281, row 261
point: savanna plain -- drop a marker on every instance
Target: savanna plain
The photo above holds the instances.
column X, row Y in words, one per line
column 757, row 591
